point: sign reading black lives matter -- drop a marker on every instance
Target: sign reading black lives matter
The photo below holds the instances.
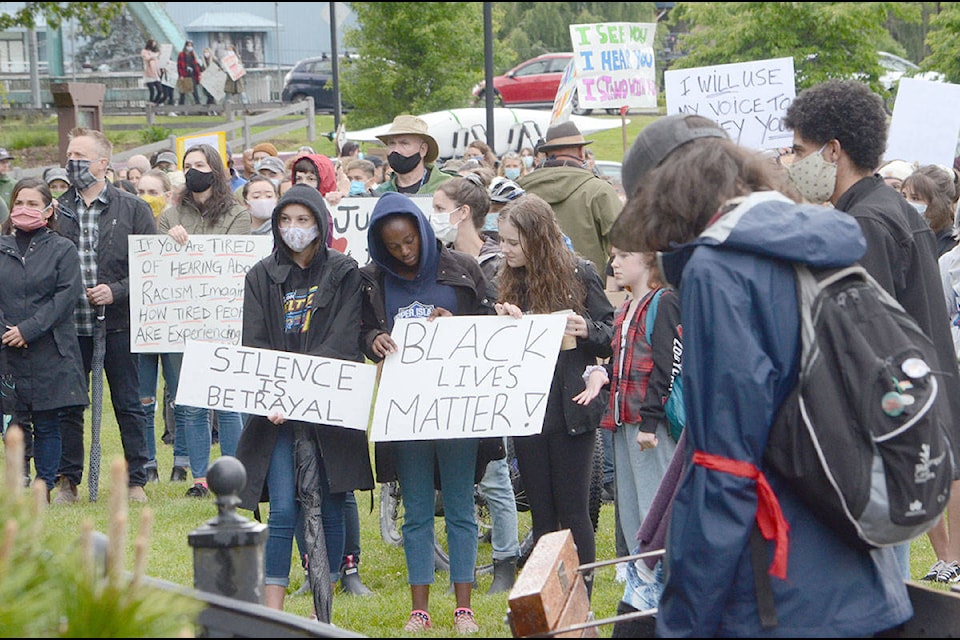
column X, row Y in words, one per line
column 467, row 377
column 190, row 291
column 262, row 381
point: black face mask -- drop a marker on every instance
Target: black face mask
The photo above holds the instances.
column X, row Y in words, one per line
column 198, row 181
column 403, row 164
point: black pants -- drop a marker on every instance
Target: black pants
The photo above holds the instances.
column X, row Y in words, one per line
column 196, row 95
column 556, row 470
column 156, row 92
column 123, row 375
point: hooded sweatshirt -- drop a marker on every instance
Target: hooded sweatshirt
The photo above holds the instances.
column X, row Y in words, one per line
column 418, row 297
column 741, row 348
column 326, row 181
column 299, row 287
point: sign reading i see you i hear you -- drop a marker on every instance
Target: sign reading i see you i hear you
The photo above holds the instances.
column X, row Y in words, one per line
column 612, row 67
column 749, row 100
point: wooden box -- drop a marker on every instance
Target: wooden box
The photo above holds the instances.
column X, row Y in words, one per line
column 576, row 611
column 539, row 595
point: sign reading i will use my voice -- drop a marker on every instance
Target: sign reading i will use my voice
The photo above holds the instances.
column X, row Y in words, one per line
column 467, row 377
column 262, row 382
column 190, row 291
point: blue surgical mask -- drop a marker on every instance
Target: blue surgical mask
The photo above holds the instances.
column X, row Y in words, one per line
column 512, row 173
column 358, row 188
column 528, row 161
column 490, row 222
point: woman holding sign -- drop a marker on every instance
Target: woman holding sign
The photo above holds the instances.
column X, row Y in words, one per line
column 411, row 274
column 204, row 206
column 303, row 298
column 539, row 274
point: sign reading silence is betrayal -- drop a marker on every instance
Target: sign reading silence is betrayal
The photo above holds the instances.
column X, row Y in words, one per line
column 467, row 377
column 262, row 381
column 190, row 291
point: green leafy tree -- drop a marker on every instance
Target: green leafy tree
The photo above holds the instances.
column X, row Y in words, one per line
column 825, row 39
column 92, row 17
column 944, row 42
column 412, row 58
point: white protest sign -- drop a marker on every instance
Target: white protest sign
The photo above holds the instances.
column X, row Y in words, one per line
column 615, row 64
column 749, row 99
column 925, row 122
column 263, row 381
column 467, row 377
column 351, row 219
column 232, row 65
column 191, row 291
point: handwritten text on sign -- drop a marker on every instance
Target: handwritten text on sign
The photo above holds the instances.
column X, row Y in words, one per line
column 262, row 381
column 749, row 100
column 615, row 64
column 351, row 220
column 467, row 377
column 191, row 291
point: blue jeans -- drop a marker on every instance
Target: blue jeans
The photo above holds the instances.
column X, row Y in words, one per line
column 498, row 492
column 47, row 445
column 457, row 460
column 123, row 375
column 285, row 514
column 193, row 424
column 150, row 364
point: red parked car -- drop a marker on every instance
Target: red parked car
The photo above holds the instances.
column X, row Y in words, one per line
column 530, row 85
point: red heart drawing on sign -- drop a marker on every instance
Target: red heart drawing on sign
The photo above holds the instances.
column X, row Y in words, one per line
column 340, row 244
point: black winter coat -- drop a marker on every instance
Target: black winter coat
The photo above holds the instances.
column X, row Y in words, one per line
column 125, row 215
column 39, row 294
column 333, row 333
column 455, row 269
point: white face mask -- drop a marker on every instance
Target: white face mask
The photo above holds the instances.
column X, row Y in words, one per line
column 445, row 231
column 263, row 208
column 298, row 238
column 814, row 177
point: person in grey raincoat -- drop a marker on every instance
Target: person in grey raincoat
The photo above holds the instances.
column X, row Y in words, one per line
column 303, row 298
column 41, row 369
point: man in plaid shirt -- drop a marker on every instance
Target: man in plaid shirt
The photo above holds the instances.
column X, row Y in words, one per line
column 98, row 217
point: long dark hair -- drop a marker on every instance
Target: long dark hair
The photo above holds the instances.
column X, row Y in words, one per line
column 221, row 198
column 31, row 183
column 548, row 282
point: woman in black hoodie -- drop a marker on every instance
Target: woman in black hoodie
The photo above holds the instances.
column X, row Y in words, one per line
column 303, row 298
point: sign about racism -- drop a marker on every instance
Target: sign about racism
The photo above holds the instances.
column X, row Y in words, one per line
column 190, row 291
column 263, row 382
column 749, row 100
column 467, row 377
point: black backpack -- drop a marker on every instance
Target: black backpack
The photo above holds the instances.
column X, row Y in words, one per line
column 863, row 437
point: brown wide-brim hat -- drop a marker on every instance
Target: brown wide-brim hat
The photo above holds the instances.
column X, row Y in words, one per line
column 412, row 125
column 563, row 135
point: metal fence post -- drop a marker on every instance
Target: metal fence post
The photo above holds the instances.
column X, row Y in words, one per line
column 228, row 551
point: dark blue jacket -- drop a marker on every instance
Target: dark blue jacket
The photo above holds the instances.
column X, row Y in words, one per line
column 741, row 345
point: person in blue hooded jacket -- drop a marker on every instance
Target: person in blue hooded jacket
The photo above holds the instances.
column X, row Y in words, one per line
column 728, row 245
column 411, row 274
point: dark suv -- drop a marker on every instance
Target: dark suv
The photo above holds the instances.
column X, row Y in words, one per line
column 311, row 77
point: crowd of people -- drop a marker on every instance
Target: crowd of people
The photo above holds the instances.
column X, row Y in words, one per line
column 534, row 231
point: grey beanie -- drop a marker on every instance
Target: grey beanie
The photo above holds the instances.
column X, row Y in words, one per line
column 659, row 139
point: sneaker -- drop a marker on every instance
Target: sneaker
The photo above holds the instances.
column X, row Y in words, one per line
column 198, row 491
column 178, row 474
column 137, row 494
column 419, row 621
column 931, row 575
column 67, row 492
column 463, row 621
column 949, row 572
column 153, row 474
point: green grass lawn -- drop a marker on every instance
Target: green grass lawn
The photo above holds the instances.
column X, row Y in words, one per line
column 382, row 567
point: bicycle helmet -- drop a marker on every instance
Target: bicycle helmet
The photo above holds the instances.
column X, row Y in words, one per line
column 503, row 190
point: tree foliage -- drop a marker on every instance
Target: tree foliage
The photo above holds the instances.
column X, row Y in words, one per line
column 825, row 39
column 944, row 42
column 92, row 17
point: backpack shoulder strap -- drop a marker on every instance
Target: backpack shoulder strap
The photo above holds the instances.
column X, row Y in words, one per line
column 652, row 315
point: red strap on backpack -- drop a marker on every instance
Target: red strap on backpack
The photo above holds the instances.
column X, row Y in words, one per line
column 770, row 518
